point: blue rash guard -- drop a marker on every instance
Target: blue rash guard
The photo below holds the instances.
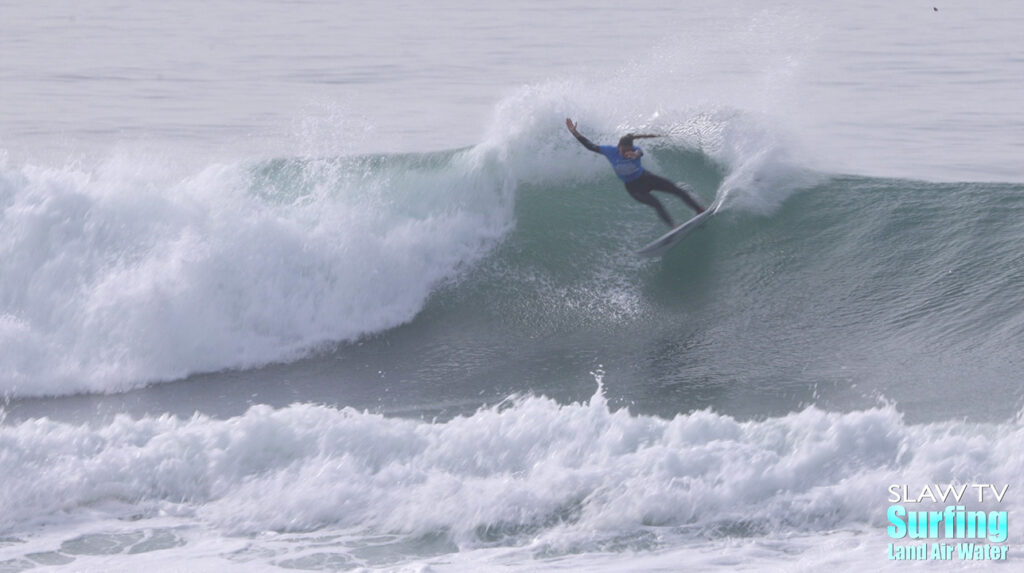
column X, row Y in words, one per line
column 627, row 169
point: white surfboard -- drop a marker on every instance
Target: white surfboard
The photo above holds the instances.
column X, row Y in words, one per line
column 665, row 242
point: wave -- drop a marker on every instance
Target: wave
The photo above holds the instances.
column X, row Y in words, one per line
column 538, row 478
column 127, row 271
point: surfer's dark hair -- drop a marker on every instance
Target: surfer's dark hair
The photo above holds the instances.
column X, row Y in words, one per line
column 627, row 140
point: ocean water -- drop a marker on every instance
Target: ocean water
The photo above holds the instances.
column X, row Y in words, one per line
column 329, row 287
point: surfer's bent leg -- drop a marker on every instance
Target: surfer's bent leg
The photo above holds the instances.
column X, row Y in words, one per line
column 657, row 183
column 642, row 193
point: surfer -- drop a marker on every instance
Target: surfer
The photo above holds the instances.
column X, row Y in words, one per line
column 625, row 159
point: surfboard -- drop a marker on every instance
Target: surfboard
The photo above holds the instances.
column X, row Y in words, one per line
column 662, row 244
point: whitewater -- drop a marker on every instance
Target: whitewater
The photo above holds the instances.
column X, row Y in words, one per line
column 304, row 287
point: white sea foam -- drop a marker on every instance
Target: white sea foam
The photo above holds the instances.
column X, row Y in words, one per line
column 524, row 481
column 125, row 272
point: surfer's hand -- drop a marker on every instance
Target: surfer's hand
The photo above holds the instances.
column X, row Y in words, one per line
column 571, row 125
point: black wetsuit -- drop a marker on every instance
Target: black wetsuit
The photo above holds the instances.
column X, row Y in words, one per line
column 639, row 182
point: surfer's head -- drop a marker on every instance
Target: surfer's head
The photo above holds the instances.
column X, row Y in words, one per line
column 626, row 143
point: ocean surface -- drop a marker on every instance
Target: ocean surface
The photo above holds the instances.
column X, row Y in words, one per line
column 328, row 286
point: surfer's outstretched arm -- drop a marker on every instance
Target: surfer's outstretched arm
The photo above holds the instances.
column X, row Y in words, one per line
column 571, row 125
